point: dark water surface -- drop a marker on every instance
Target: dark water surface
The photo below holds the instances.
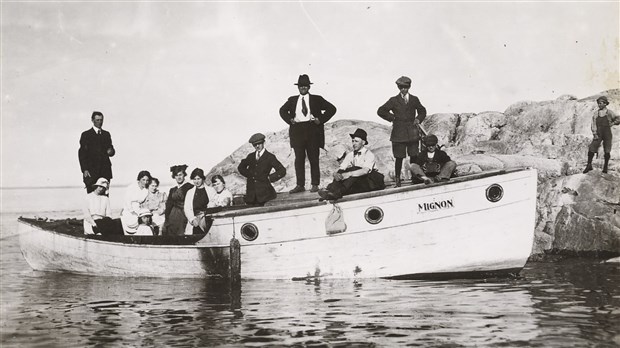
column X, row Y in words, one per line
column 570, row 303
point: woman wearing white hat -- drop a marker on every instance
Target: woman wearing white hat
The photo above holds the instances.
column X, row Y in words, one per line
column 97, row 210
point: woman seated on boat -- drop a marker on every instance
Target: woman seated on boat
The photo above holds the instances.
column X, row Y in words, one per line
column 97, row 210
column 197, row 200
column 134, row 196
column 146, row 226
column 432, row 164
column 156, row 203
column 223, row 197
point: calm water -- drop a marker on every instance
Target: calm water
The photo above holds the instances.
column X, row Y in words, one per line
column 572, row 303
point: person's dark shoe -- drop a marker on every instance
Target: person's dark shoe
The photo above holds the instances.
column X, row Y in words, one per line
column 397, row 182
column 588, row 168
column 436, row 179
column 314, row 188
column 326, row 195
column 297, row 189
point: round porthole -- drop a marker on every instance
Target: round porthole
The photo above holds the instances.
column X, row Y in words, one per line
column 249, row 232
column 374, row 215
column 494, row 193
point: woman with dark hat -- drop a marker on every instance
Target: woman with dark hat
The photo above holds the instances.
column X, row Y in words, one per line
column 602, row 121
column 176, row 221
column 197, row 200
column 256, row 167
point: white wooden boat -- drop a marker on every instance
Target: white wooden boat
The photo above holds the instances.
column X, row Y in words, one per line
column 475, row 225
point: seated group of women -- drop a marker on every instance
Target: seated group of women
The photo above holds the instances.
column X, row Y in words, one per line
column 148, row 211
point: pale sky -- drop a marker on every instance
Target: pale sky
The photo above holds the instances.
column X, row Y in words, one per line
column 190, row 82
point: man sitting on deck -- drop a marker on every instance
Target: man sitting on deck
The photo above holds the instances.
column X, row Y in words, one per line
column 357, row 171
column 432, row 164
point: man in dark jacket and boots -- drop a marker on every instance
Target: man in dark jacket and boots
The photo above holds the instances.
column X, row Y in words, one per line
column 432, row 164
column 602, row 121
column 306, row 114
column 256, row 167
column 401, row 110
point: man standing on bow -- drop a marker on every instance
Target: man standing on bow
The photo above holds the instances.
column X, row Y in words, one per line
column 401, row 110
column 306, row 114
column 95, row 152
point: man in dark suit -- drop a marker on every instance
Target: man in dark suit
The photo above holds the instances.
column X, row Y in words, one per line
column 401, row 110
column 306, row 114
column 256, row 167
column 95, row 152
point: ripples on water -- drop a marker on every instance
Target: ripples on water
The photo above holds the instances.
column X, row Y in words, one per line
column 572, row 303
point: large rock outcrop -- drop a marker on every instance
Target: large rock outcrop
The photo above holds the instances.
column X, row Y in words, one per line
column 577, row 214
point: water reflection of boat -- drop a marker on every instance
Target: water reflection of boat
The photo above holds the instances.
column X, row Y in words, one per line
column 472, row 225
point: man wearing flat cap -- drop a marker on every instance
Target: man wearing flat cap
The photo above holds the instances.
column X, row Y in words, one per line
column 95, row 152
column 357, row 171
column 306, row 114
column 257, row 167
column 432, row 164
column 406, row 113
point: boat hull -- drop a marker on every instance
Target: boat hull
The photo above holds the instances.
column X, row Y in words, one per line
column 446, row 229
column 46, row 250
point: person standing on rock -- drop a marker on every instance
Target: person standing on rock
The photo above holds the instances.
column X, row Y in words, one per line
column 602, row 121
column 306, row 114
column 256, row 167
column 95, row 152
column 406, row 113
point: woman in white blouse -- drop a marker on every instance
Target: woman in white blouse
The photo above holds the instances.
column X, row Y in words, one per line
column 223, row 197
column 135, row 195
column 97, row 208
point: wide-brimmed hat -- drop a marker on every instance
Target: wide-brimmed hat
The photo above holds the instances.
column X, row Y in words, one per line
column 144, row 212
column 257, row 138
column 178, row 168
column 103, row 182
column 431, row 140
column 303, row 80
column 360, row 133
column 403, row 81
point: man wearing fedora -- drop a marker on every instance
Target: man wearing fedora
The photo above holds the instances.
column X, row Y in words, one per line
column 306, row 114
column 257, row 167
column 406, row 113
column 357, row 171
column 95, row 152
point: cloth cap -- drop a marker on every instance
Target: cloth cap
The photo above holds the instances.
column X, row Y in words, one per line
column 303, row 80
column 144, row 212
column 103, row 182
column 257, row 138
column 403, row 81
column 430, row 140
column 360, row 133
column 604, row 99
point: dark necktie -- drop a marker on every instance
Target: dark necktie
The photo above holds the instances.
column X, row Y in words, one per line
column 98, row 131
column 357, row 153
column 304, row 108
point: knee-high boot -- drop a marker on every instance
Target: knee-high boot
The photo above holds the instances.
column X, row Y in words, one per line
column 606, row 163
column 398, row 165
column 589, row 165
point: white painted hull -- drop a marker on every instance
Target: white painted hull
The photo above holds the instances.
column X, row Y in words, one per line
column 50, row 251
column 472, row 235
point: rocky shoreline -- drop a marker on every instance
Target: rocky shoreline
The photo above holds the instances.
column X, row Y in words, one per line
column 577, row 214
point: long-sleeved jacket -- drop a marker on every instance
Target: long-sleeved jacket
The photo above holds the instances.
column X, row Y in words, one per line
column 299, row 133
column 259, row 189
column 402, row 116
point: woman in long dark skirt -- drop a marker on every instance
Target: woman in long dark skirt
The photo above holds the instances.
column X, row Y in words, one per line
column 176, row 221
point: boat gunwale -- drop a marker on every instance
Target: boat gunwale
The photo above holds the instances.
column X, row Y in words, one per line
column 226, row 213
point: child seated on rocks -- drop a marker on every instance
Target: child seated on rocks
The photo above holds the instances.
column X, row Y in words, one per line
column 431, row 164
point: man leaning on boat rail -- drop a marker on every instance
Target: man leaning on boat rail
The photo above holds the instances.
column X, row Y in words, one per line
column 357, row 171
